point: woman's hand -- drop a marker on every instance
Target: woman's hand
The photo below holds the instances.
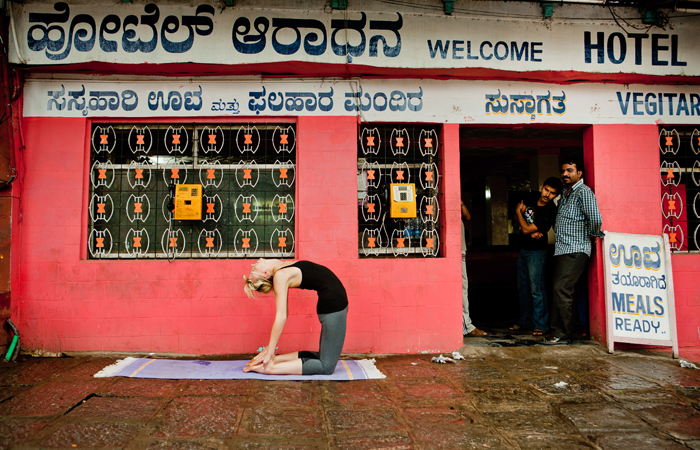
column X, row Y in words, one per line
column 261, row 358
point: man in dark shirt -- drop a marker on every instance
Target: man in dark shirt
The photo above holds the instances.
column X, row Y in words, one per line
column 535, row 215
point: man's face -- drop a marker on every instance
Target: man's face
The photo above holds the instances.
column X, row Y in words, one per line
column 548, row 194
column 570, row 174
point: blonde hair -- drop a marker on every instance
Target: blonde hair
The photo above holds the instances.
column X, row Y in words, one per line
column 263, row 285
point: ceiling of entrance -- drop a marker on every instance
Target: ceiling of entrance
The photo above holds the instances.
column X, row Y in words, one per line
column 490, row 151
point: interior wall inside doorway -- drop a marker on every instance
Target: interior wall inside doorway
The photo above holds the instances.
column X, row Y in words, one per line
column 499, row 166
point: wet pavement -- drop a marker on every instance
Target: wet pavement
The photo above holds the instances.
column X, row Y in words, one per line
column 500, row 396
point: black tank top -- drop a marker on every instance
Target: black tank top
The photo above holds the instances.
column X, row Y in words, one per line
column 331, row 293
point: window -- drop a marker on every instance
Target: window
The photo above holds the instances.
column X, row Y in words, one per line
column 398, row 190
column 680, row 186
column 246, row 172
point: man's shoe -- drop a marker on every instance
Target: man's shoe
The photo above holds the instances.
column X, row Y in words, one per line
column 555, row 341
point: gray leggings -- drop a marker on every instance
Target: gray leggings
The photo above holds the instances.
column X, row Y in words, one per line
column 330, row 345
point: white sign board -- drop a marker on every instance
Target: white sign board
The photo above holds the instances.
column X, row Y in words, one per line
column 500, row 36
column 398, row 100
column 639, row 297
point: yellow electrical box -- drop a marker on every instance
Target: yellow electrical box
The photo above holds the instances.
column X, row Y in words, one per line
column 188, row 202
column 403, row 200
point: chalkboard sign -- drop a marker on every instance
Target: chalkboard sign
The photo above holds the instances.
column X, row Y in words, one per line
column 639, row 298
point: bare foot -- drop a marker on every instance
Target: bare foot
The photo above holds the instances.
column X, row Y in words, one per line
column 261, row 368
column 252, row 365
column 477, row 332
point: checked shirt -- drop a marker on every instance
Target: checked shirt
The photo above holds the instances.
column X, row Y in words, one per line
column 578, row 221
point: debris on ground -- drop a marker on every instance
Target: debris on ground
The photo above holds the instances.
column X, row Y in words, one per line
column 442, row 359
column 40, row 353
column 688, row 365
column 457, row 355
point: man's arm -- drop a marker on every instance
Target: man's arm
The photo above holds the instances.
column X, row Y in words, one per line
column 594, row 220
column 465, row 212
column 528, row 228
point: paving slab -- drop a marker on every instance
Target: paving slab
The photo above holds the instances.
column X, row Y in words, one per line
column 647, row 395
column 220, row 387
column 458, row 437
column 667, row 372
column 7, row 392
column 369, row 393
column 531, row 441
column 15, row 432
column 617, row 380
column 527, row 397
column 286, row 443
column 359, row 421
column 392, row 441
column 441, row 415
column 420, row 369
column 524, row 369
column 84, row 369
column 33, row 370
column 49, row 398
column 507, row 399
column 200, row 417
column 300, row 422
column 140, row 387
column 636, row 441
column 294, row 394
column 430, row 389
column 587, row 365
column 680, row 421
column 118, row 408
column 473, row 372
column 92, row 435
column 597, row 417
column 527, row 421
column 188, row 444
column 561, row 385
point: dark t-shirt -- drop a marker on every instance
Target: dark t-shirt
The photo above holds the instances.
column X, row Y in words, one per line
column 542, row 217
column 331, row 293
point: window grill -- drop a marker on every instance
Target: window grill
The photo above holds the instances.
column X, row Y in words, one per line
column 680, row 186
column 404, row 154
column 247, row 172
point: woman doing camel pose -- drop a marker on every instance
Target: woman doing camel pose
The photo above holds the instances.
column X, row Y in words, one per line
column 276, row 276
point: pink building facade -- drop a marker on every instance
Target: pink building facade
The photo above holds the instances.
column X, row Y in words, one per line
column 70, row 294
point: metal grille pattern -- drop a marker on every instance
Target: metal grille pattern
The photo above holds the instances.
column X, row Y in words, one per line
column 680, row 186
column 399, row 153
column 247, row 171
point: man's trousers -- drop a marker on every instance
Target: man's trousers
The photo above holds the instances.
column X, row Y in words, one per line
column 567, row 270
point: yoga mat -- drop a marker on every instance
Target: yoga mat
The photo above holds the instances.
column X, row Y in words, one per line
column 363, row 369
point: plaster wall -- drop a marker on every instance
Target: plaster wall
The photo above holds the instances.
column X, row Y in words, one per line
column 622, row 167
column 66, row 303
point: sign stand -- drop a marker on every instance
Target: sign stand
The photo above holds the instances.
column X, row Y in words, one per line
column 639, row 294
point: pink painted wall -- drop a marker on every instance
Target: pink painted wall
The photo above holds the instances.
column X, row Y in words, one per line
column 198, row 307
column 622, row 167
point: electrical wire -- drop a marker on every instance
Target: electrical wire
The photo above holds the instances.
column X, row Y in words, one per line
column 481, row 13
column 616, row 17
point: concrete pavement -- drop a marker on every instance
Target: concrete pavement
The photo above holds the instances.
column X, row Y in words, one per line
column 524, row 397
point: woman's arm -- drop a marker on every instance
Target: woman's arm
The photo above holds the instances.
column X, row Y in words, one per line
column 280, row 282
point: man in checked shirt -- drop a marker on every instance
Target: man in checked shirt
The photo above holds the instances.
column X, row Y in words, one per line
column 575, row 228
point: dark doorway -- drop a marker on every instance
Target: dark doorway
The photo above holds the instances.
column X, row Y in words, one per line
column 498, row 167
